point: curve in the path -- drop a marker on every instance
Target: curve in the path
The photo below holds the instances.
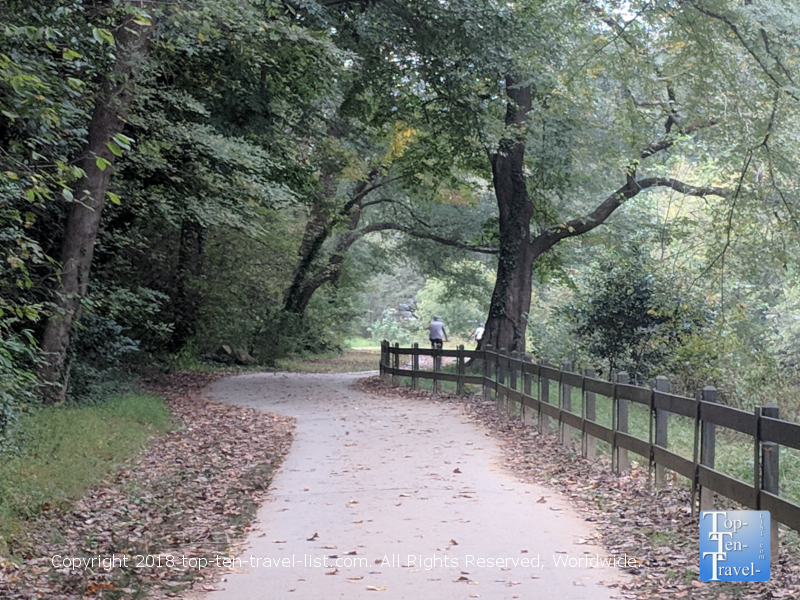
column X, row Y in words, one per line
column 396, row 498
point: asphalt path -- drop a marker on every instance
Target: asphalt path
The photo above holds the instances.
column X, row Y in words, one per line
column 396, row 498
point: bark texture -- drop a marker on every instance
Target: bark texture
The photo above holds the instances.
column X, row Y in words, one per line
column 323, row 218
column 83, row 219
column 511, row 298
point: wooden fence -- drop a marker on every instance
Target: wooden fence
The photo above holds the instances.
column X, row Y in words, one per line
column 515, row 381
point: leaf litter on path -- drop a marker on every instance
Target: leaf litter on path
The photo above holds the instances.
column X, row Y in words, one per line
column 630, row 516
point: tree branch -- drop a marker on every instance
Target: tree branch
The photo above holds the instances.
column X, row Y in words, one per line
column 361, row 191
column 424, row 235
column 658, row 146
column 394, row 202
column 735, row 30
column 598, row 216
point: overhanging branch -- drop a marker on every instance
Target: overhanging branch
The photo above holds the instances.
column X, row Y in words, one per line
column 658, row 146
column 605, row 209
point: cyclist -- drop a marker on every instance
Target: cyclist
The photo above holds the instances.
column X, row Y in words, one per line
column 437, row 334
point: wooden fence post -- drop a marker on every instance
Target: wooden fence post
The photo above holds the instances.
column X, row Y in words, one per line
column 487, row 373
column 526, row 390
column 566, row 404
column 769, row 477
column 708, row 449
column 501, row 378
column 437, row 366
column 396, row 363
column 512, row 382
column 589, row 413
column 460, row 371
column 623, row 463
column 384, row 359
column 662, row 416
column 544, row 396
column 415, row 367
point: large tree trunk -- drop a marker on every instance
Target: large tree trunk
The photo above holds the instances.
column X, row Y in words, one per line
column 83, row 220
column 511, row 299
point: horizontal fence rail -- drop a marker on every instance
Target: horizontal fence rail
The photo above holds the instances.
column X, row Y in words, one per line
column 548, row 391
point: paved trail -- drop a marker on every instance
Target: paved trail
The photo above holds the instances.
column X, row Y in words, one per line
column 392, row 498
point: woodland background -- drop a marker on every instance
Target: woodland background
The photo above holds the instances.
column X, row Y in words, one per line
column 279, row 177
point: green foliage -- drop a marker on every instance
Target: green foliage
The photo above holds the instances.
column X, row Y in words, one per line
column 251, row 117
column 551, row 334
column 43, row 67
column 453, row 304
column 17, row 359
column 633, row 319
column 395, row 326
column 97, row 369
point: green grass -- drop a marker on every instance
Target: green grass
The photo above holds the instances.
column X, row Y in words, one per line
column 348, row 362
column 66, row 450
column 734, row 450
column 360, row 342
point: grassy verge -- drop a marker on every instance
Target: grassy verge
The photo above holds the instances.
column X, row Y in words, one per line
column 65, row 450
column 347, row 362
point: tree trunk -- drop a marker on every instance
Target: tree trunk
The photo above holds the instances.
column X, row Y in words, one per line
column 318, row 228
column 312, row 271
column 190, row 267
column 511, row 299
column 298, row 295
column 83, row 220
